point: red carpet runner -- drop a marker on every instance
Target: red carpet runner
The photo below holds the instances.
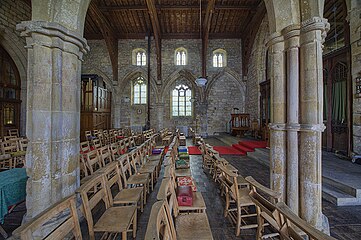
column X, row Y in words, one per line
column 223, row 150
column 249, row 146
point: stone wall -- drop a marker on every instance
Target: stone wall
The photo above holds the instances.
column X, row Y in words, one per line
column 221, row 80
column 355, row 39
column 257, row 70
column 13, row 12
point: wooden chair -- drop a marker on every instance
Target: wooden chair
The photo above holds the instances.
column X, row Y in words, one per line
column 292, row 224
column 13, row 132
column 105, row 155
column 93, row 161
column 23, row 144
column 113, row 220
column 69, row 222
column 265, row 207
column 187, row 226
column 124, row 195
column 6, row 162
column 160, row 224
column 97, row 143
column 238, row 202
column 84, row 147
column 132, row 178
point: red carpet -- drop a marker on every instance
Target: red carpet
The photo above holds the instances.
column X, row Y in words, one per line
column 193, row 150
column 223, row 150
column 227, row 150
column 249, row 146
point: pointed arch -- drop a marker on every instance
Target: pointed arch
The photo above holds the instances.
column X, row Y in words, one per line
column 139, row 72
column 105, row 77
column 234, row 76
column 180, row 74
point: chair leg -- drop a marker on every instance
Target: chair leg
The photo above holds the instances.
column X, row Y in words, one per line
column 135, row 225
column 260, row 228
column 227, row 205
column 239, row 221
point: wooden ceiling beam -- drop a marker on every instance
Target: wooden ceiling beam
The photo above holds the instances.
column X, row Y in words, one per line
column 205, row 34
column 175, row 7
column 249, row 33
column 109, row 35
column 157, row 36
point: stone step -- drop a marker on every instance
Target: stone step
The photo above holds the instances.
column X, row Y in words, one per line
column 259, row 157
column 338, row 197
column 263, row 151
column 341, row 186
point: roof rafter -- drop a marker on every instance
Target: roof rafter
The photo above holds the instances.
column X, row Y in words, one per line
column 109, row 35
column 205, row 34
column 174, row 7
column 157, row 36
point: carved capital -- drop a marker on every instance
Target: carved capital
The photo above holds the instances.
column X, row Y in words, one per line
column 291, row 36
column 53, row 35
column 316, row 24
column 274, row 38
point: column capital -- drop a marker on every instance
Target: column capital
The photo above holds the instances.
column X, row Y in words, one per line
column 291, row 36
column 53, row 35
column 277, row 126
column 315, row 23
column 274, row 38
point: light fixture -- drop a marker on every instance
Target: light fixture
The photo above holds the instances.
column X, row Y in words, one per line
column 201, row 81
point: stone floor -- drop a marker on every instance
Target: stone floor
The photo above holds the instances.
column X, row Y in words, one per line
column 345, row 222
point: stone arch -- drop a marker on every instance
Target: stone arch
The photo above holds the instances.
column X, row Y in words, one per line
column 106, row 79
column 311, row 8
column 234, row 76
column 282, row 13
column 183, row 73
column 17, row 52
column 137, row 73
column 70, row 14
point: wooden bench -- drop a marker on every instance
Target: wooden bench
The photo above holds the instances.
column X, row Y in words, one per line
column 69, row 222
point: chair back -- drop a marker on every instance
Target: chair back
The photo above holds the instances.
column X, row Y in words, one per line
column 93, row 192
column 105, row 154
column 96, row 143
column 290, row 223
column 112, row 177
column 93, row 161
column 84, row 147
column 23, row 144
column 160, row 224
column 265, row 203
column 66, row 209
column 14, row 132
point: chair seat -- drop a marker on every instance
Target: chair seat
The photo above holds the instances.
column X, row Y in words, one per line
column 138, row 179
column 198, row 203
column 147, row 169
column 183, row 172
column 154, row 157
column 244, row 198
column 128, row 195
column 193, row 226
column 116, row 219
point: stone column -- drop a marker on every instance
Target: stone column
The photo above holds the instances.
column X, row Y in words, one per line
column 291, row 35
column 53, row 112
column 278, row 113
column 313, row 32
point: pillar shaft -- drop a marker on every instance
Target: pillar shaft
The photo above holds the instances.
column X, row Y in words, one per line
column 278, row 114
column 291, row 35
column 312, row 36
column 53, row 113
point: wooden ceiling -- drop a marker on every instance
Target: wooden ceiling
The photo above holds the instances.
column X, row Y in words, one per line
column 177, row 18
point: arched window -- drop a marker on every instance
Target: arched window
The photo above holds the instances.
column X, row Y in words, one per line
column 139, row 57
column 180, row 56
column 9, row 94
column 181, row 101
column 219, row 58
column 139, row 91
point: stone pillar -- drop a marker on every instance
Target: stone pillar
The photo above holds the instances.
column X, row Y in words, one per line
column 53, row 112
column 355, row 39
column 313, row 32
column 278, row 114
column 291, row 36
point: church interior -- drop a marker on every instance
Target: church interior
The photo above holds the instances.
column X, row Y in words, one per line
column 180, row 119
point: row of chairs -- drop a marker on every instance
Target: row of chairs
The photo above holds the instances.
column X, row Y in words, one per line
column 119, row 186
column 13, row 151
column 168, row 220
column 242, row 195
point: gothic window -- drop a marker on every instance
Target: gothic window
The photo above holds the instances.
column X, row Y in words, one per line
column 9, row 93
column 180, row 56
column 139, row 57
column 139, row 91
column 181, row 101
column 219, row 58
